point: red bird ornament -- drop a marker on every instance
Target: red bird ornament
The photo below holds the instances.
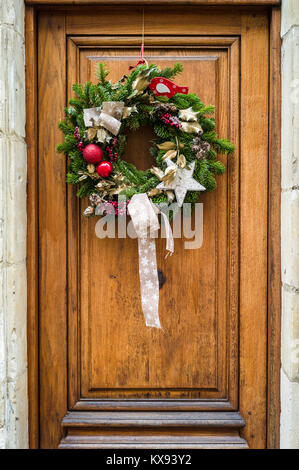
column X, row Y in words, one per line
column 163, row 87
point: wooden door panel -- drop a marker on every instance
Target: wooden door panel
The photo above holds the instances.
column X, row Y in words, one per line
column 96, row 355
column 120, row 357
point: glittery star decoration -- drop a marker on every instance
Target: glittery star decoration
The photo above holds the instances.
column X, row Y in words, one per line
column 188, row 115
column 182, row 182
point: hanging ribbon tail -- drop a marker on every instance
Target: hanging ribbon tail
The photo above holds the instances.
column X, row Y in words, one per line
column 168, row 231
column 146, row 224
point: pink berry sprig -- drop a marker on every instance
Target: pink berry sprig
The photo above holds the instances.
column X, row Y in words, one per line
column 77, row 136
column 170, row 120
column 115, row 207
column 120, row 208
column 112, row 154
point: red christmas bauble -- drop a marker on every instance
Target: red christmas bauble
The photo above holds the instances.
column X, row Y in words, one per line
column 92, row 153
column 104, row 169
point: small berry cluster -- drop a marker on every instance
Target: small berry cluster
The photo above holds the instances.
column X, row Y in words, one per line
column 114, row 207
column 120, row 208
column 112, row 154
column 170, row 120
column 78, row 138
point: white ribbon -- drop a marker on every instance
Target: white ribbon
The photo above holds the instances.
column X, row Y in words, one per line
column 146, row 224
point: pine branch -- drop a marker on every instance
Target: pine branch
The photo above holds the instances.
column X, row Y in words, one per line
column 150, row 184
column 131, row 177
column 207, row 124
column 216, row 167
column 204, row 176
column 71, row 178
column 86, row 188
column 169, row 72
column 102, row 73
column 78, row 89
column 66, row 127
column 221, row 145
column 192, row 197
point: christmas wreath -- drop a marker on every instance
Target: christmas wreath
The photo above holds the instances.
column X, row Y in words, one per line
column 96, row 126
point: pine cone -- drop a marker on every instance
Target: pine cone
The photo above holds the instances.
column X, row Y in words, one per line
column 162, row 108
column 196, row 141
column 204, row 148
column 95, row 199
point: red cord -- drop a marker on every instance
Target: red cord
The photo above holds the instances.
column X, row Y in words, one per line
column 140, row 61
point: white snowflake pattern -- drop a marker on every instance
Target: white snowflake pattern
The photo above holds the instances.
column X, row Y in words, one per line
column 144, row 262
column 149, row 284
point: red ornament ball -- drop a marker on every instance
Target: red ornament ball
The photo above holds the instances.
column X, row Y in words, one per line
column 92, row 153
column 104, row 169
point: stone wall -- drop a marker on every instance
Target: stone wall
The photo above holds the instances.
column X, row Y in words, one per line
column 13, row 290
column 289, row 226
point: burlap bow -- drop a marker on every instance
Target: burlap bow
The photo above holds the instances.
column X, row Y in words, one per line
column 108, row 115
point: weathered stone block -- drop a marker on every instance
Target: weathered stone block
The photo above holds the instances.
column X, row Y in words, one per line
column 16, row 219
column 290, row 109
column 290, row 238
column 12, row 82
column 12, row 14
column 290, row 15
column 289, row 435
column 290, row 333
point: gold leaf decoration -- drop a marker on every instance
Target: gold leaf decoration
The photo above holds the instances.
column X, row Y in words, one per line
column 101, row 135
column 157, row 172
column 170, row 154
column 166, row 146
column 91, row 133
column 154, row 192
column 128, row 110
column 91, row 168
column 170, row 195
column 191, row 127
column 181, row 161
column 169, row 175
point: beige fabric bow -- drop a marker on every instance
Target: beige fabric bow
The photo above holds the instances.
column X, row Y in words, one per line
column 109, row 116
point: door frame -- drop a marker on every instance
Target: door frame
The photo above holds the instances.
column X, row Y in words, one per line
column 274, row 224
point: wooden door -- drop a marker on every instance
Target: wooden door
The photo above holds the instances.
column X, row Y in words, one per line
column 104, row 378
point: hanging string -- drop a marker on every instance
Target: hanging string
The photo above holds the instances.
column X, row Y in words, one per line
column 141, row 60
